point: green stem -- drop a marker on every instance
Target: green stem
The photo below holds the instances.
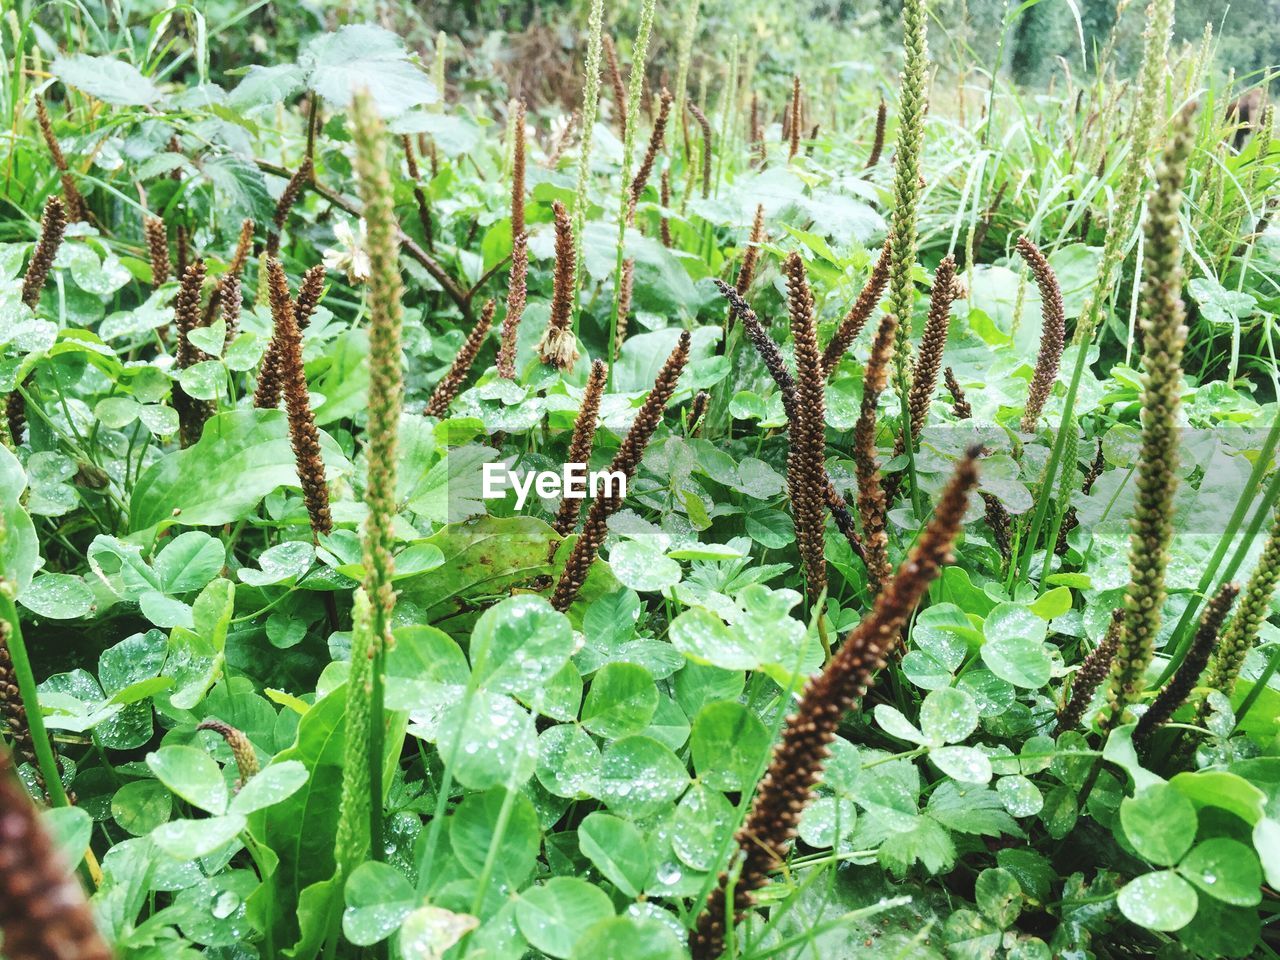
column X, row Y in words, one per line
column 31, row 701
column 1264, row 678
column 377, row 740
column 495, row 844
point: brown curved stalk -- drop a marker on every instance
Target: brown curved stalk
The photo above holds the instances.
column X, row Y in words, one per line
column 872, row 504
column 447, row 388
column 558, row 346
column 584, row 435
column 853, row 322
column 1052, row 335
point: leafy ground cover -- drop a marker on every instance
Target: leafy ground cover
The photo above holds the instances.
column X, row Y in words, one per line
column 934, row 619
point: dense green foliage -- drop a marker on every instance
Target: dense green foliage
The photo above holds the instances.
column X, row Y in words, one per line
column 558, row 720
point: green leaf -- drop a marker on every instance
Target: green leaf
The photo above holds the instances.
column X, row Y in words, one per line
column 519, row 644
column 496, row 742
column 70, row 829
column 643, row 567
column 622, row 700
column 1226, row 870
column 189, row 561
column 19, row 548
column 363, row 56
column 554, row 915
column 728, row 743
column 948, row 716
column 1158, row 901
column 473, row 827
column 378, row 898
column 618, row 850
column 635, row 938
column 429, row 932
column 640, row 776
column 1160, row 823
column 191, row 774
column 58, row 596
column 242, row 456
column 189, row 839
column 269, row 786
column 999, row 896
column 106, row 78
column 141, row 806
column 569, row 762
column 1052, row 604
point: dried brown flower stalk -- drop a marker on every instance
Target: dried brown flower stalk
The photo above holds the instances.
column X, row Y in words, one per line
column 517, row 292
column 517, row 171
column 230, row 299
column 244, row 247
column 192, row 412
column 799, row 759
column 558, row 346
column 795, row 118
column 1093, row 670
column 619, row 89
column 53, row 224
column 292, row 191
column 697, row 413
column 705, row 125
column 771, row 354
column 872, row 504
column 309, row 295
column 43, row 911
column 303, row 435
column 420, row 197
column 580, row 444
column 1052, row 335
column 157, row 249
column 664, row 195
column 959, row 403
column 626, row 284
column 924, row 375
column 645, row 169
column 751, row 255
column 806, row 462
column 77, row 210
column 447, row 388
column 241, row 749
column 625, row 462
column 858, row 314
column 1183, row 681
column 877, row 144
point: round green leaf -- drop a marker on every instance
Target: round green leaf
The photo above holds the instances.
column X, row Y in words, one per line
column 1160, row 823
column 1158, row 901
column 1226, row 870
column 1022, row 661
column 618, row 850
column 141, row 806
column 728, row 743
column 948, row 716
column 192, row 774
column 622, row 700
column 496, row 742
column 474, row 827
column 643, row 567
column 378, row 899
column 554, row 915
column 58, row 596
column 999, row 896
column 641, row 776
column 635, row 938
column 568, row 762
column 520, row 644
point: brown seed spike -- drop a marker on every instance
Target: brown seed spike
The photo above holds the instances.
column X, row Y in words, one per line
column 751, row 256
column 303, row 435
column 1183, row 681
column 625, row 462
column 447, row 388
column 877, row 144
column 558, row 346
column 244, row 247
column 959, row 403
column 292, row 191
column 1052, row 336
column 924, row 375
column 641, row 178
column 420, row 197
column 872, row 504
column 858, row 314
column 241, row 749
column 1093, row 670
column 664, row 195
column 517, row 292
column 186, row 314
column 806, row 469
column 584, row 435
column 230, row 301
column 619, row 90
column 43, row 911
column 53, row 224
column 157, row 249
column 77, row 210
column 795, row 118
column 800, row 756
column 517, row 170
column 705, row 125
column 309, row 295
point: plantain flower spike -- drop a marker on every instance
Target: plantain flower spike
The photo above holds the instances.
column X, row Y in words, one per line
column 872, row 503
column 1092, row 671
column 1164, row 333
column 580, row 444
column 800, row 756
column 1052, row 334
column 853, row 322
column 447, row 388
column 558, row 347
